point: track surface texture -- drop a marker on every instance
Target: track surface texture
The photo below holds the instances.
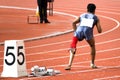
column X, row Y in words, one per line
column 48, row 44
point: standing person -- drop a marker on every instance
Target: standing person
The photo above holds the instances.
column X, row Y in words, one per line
column 42, row 4
column 85, row 31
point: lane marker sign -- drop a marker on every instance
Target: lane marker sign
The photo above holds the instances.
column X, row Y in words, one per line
column 14, row 62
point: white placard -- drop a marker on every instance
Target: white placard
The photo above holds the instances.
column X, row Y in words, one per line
column 14, row 64
column 87, row 22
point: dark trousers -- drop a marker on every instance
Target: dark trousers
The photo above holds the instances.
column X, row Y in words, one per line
column 42, row 4
column 43, row 13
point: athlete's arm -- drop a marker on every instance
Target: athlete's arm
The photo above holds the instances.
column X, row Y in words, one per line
column 75, row 22
column 99, row 29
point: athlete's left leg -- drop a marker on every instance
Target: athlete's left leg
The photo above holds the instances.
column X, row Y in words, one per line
column 91, row 42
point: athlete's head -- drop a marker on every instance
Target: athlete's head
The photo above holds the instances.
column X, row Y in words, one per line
column 91, row 7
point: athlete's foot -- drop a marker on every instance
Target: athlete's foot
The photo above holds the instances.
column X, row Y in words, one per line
column 93, row 66
column 68, row 68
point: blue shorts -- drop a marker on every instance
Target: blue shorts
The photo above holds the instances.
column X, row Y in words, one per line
column 84, row 32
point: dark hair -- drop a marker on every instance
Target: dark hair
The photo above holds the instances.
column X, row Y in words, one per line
column 91, row 7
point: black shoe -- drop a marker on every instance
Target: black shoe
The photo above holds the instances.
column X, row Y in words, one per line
column 47, row 21
column 41, row 21
column 68, row 68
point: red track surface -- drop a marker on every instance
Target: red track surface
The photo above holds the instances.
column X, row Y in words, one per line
column 53, row 51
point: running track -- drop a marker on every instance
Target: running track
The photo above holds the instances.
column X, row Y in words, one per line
column 53, row 51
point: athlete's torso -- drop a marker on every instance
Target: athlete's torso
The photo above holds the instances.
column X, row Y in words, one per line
column 85, row 28
column 87, row 21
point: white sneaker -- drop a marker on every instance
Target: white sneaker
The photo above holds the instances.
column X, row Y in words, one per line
column 93, row 66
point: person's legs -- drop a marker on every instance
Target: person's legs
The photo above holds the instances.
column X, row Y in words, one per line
column 41, row 14
column 72, row 52
column 91, row 42
column 45, row 15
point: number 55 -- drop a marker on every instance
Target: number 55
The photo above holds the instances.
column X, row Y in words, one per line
column 8, row 53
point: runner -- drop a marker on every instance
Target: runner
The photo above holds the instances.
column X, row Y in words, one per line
column 85, row 31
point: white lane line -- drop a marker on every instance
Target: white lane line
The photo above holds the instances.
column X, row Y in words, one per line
column 62, row 13
column 63, row 42
column 114, row 40
column 97, row 60
column 108, row 78
column 48, row 59
column 65, row 14
column 74, row 72
column 77, row 47
column 100, row 51
column 103, row 11
column 106, row 17
column 68, row 48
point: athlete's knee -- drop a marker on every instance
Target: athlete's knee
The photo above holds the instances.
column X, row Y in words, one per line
column 91, row 42
column 92, row 45
column 72, row 50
